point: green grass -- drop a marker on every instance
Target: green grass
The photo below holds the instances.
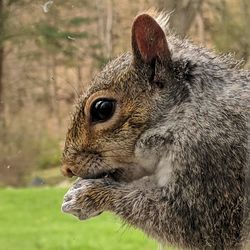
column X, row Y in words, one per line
column 31, row 219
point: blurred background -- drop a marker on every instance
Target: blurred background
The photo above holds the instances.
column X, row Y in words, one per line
column 49, row 51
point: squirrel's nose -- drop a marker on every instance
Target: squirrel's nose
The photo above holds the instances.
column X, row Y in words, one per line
column 66, row 171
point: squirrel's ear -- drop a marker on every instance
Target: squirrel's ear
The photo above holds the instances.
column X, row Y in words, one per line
column 149, row 41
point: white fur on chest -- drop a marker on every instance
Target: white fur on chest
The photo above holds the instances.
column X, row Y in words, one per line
column 158, row 165
column 153, row 156
column 164, row 171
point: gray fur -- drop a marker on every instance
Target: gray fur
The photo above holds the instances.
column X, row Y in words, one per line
column 193, row 146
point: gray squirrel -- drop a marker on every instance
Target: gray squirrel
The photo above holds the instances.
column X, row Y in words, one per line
column 161, row 140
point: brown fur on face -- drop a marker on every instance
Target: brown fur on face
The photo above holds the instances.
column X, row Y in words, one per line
column 95, row 148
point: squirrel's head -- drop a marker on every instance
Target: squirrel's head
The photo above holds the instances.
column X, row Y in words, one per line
column 122, row 102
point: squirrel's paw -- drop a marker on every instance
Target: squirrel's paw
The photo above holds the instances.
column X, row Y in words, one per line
column 80, row 201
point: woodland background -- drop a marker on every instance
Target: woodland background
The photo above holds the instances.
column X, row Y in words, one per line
column 49, row 52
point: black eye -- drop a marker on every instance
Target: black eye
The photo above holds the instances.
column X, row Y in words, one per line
column 102, row 110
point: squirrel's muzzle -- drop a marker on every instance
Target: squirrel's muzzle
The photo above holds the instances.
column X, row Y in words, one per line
column 66, row 171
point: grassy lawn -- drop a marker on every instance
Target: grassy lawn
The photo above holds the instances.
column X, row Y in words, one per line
column 31, row 219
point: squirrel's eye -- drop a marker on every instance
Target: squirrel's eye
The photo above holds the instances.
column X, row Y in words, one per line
column 102, row 109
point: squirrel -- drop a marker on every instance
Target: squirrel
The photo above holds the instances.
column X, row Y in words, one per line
column 160, row 139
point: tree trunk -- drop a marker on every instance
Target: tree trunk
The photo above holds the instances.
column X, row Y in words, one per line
column 246, row 19
column 79, row 78
column 55, row 90
column 201, row 29
column 109, row 25
column 47, row 86
column 1, row 82
column 184, row 13
column 1, row 63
